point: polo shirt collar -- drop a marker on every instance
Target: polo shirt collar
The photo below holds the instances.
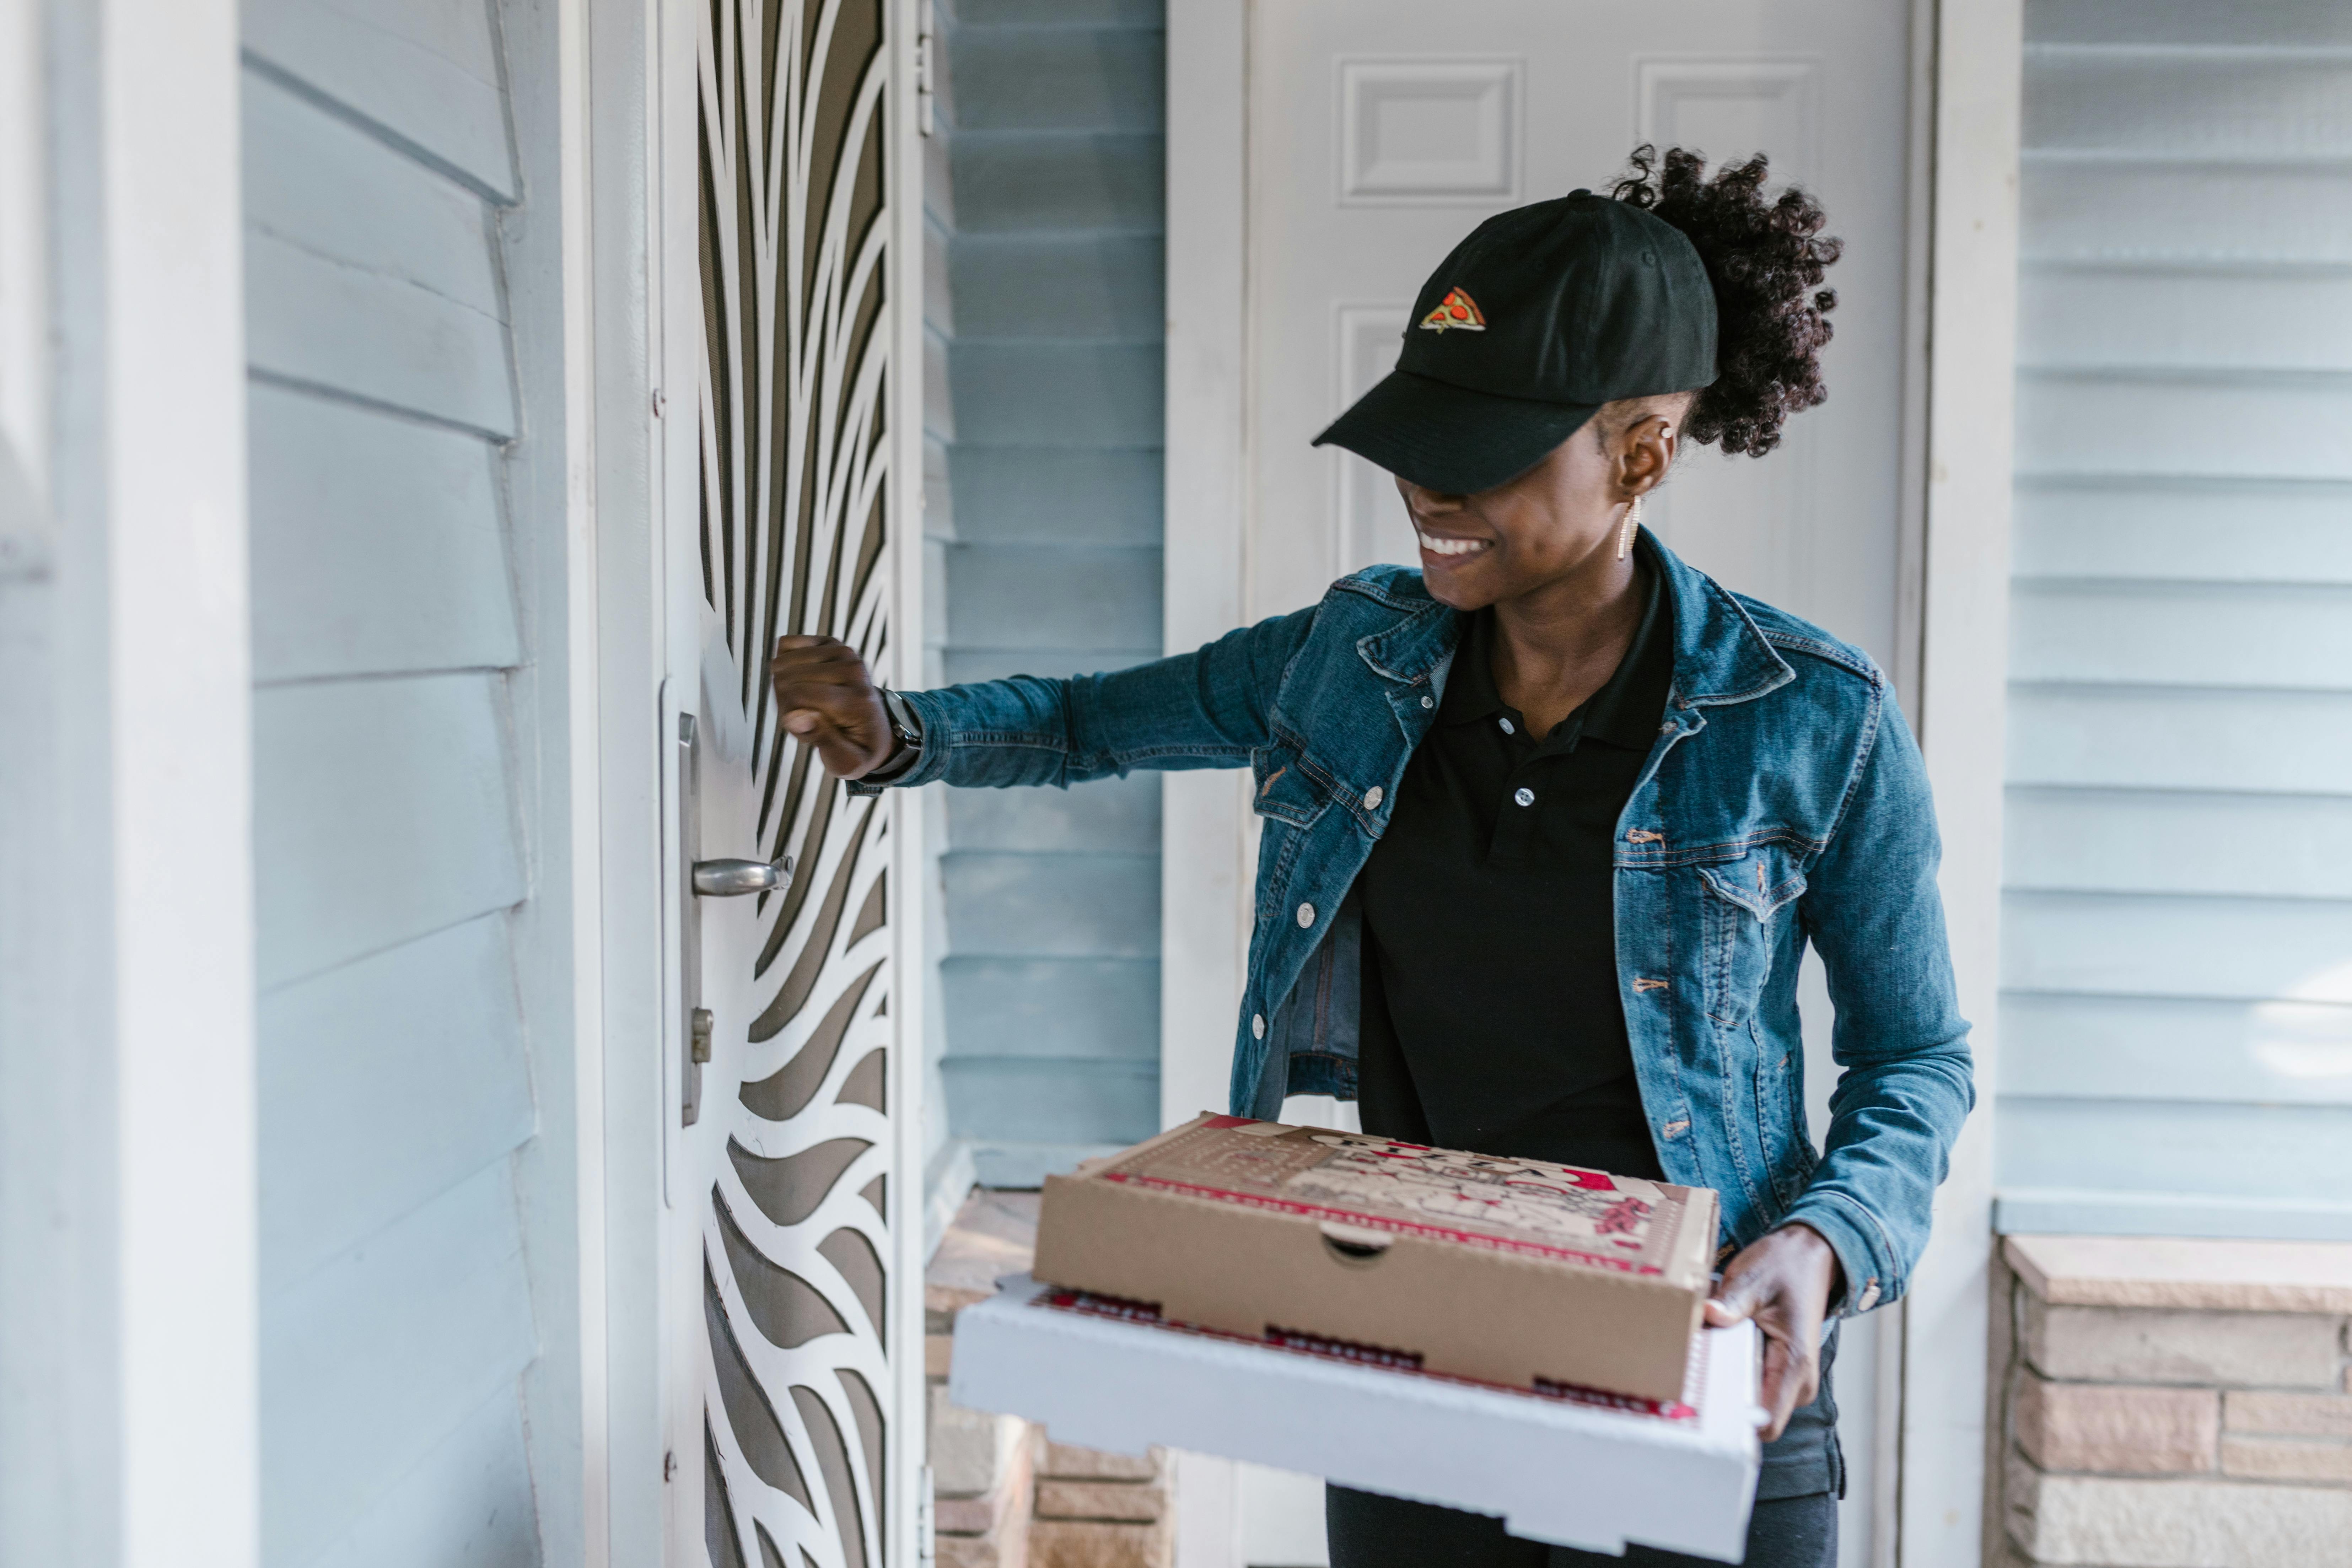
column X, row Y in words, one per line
column 1611, row 714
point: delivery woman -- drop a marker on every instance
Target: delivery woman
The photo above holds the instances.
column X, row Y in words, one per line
column 1550, row 821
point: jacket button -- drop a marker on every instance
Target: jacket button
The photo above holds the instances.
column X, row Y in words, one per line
column 1524, row 795
column 1306, row 916
column 1257, row 1025
column 1373, row 796
column 1429, row 701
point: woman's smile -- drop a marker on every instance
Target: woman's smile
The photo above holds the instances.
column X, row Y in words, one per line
column 1449, row 545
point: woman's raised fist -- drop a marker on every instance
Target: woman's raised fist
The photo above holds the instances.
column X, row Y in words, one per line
column 826, row 699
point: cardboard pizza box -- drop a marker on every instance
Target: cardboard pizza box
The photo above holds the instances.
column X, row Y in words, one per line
column 1520, row 1273
column 1576, row 1470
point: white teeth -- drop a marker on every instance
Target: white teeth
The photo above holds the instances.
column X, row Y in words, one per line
column 1437, row 546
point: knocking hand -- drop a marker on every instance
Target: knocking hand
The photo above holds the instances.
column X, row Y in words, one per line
column 826, row 700
column 1784, row 1281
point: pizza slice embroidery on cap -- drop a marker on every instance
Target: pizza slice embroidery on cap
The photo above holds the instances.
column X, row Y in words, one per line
column 1456, row 313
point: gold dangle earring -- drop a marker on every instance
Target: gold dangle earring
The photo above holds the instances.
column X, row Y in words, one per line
column 1626, row 534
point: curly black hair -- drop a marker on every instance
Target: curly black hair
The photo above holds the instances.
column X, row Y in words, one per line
column 1767, row 260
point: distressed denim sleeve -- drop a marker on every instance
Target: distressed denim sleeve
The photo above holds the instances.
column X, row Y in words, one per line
column 1905, row 1079
column 1207, row 708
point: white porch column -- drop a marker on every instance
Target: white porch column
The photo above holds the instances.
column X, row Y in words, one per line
column 127, row 1297
column 1963, row 710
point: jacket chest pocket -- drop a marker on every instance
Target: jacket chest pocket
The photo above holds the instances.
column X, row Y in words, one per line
column 1289, row 802
column 1744, row 905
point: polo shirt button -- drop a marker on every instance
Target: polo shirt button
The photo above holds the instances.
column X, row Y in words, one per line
column 1429, row 701
column 1373, row 796
column 1306, row 916
column 1257, row 1025
column 1524, row 795
column 1505, row 723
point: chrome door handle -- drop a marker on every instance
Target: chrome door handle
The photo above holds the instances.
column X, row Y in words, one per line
column 733, row 879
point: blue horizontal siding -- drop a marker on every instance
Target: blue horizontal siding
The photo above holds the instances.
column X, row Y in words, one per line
column 996, row 663
column 1056, row 284
column 1022, row 595
column 1084, row 286
column 1054, row 495
column 1064, row 181
column 1059, row 78
column 1045, row 1101
column 394, row 1080
column 1060, row 905
column 1057, row 393
column 2177, row 1006
column 1077, row 1009
column 1120, row 815
column 1061, row 13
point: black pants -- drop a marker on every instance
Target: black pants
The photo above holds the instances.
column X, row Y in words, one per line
column 1370, row 1531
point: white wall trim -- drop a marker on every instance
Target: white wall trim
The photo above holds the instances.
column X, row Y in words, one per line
column 1203, row 876
column 129, row 1430
column 585, row 826
column 609, row 245
column 1203, row 885
column 1962, row 718
column 911, row 862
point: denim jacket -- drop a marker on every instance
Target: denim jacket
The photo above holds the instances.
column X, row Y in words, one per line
column 1783, row 803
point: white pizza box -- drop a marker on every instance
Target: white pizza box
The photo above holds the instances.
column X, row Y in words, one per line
column 1574, row 1469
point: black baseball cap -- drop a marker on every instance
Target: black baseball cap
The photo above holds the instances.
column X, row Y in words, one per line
column 1542, row 315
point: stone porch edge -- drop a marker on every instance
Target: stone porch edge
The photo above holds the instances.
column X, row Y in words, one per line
column 2208, row 1275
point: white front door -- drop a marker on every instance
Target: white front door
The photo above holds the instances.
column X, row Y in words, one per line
column 1379, row 132
column 791, row 1259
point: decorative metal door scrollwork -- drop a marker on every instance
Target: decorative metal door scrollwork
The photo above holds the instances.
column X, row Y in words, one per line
column 794, row 220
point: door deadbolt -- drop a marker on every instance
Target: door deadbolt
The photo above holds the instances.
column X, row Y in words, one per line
column 733, row 879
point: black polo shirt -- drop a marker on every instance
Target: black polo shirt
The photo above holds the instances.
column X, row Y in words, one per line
column 1491, row 1016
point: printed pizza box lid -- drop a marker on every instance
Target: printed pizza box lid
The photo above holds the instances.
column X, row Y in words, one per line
column 1384, row 1188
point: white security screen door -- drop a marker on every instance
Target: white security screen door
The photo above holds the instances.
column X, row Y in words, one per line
column 790, row 1261
column 1380, row 132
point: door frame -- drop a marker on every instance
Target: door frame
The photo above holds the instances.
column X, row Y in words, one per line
column 629, row 123
column 1951, row 605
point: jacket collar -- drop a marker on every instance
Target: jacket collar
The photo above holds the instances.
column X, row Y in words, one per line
column 1720, row 655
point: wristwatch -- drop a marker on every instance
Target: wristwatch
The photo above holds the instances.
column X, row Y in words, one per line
column 905, row 747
